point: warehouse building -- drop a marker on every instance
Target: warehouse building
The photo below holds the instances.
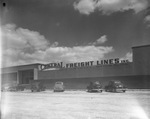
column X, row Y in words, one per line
column 134, row 74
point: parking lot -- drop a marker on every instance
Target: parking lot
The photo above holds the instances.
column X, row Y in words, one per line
column 134, row 104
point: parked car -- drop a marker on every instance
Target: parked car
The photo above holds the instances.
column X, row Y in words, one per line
column 37, row 86
column 8, row 88
column 59, row 87
column 115, row 86
column 20, row 87
column 94, row 87
column 16, row 87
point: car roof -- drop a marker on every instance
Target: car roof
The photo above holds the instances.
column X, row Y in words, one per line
column 115, row 81
column 58, row 82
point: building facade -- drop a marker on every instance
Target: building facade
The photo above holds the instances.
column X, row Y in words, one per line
column 134, row 74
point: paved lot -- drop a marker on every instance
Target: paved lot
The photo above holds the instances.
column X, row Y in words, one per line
column 75, row 105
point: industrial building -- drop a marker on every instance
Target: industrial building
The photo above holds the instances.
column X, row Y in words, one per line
column 135, row 74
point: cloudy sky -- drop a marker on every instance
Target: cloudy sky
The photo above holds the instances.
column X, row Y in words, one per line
column 44, row 31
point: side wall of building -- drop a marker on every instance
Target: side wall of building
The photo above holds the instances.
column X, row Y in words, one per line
column 19, row 74
column 141, row 60
column 91, row 72
column 132, row 82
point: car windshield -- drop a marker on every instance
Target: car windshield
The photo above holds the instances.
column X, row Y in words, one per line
column 96, row 83
column 117, row 82
column 59, row 82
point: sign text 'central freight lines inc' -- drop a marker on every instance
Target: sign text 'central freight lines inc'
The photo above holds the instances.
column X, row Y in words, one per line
column 81, row 64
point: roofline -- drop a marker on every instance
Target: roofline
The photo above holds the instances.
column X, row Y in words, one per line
column 22, row 65
column 141, row 46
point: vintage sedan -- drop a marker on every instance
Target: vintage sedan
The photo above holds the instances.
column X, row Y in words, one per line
column 115, row 86
column 59, row 87
column 13, row 88
column 37, row 86
column 94, row 87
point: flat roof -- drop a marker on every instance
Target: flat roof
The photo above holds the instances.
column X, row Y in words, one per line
column 141, row 46
column 21, row 65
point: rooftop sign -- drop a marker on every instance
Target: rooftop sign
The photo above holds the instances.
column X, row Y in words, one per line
column 81, row 64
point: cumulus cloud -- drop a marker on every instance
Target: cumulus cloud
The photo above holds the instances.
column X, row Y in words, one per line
column 147, row 20
column 23, row 46
column 19, row 38
column 55, row 44
column 101, row 40
column 110, row 6
column 128, row 57
column 85, row 6
column 77, row 53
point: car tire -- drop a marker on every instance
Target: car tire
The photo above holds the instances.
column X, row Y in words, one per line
column 113, row 90
column 123, row 91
